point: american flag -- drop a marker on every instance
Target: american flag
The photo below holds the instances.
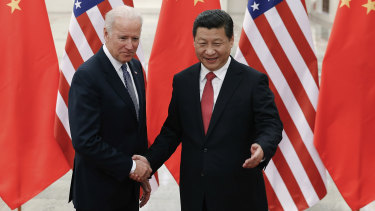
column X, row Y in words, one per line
column 276, row 39
column 85, row 38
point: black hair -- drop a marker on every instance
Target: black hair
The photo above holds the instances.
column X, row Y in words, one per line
column 214, row 19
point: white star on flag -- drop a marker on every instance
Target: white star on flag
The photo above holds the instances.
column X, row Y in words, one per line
column 255, row 6
column 78, row 4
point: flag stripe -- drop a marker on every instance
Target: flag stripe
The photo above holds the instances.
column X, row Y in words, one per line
column 129, row 3
column 63, row 88
column 64, row 141
column 67, row 69
column 79, row 39
column 116, row 3
column 279, row 187
column 104, row 7
column 306, row 158
column 271, row 195
column 97, row 21
column 87, row 28
column 289, row 47
column 298, row 170
column 62, row 113
column 284, row 65
column 289, row 180
column 299, row 11
column 72, row 54
column 299, row 39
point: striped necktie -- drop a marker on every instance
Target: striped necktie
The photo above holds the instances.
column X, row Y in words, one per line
column 130, row 87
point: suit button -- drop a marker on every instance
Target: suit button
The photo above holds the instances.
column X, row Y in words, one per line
column 202, row 174
column 205, row 150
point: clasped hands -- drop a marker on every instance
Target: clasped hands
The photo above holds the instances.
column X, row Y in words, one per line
column 141, row 174
column 142, row 171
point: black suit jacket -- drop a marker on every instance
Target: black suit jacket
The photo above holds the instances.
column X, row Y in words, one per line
column 211, row 165
column 105, row 134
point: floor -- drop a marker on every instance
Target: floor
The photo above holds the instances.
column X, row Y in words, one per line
column 55, row 197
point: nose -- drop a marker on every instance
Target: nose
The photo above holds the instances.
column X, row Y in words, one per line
column 210, row 51
column 128, row 44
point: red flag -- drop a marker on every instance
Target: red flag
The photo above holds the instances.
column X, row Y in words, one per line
column 172, row 51
column 276, row 39
column 30, row 158
column 345, row 123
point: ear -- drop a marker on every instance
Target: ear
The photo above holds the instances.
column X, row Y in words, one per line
column 231, row 41
column 106, row 34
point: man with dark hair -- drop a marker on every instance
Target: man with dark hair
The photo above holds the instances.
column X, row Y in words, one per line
column 222, row 112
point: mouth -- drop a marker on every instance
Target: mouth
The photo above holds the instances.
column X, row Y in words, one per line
column 127, row 53
column 211, row 60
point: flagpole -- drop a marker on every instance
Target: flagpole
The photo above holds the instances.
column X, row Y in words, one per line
column 19, row 208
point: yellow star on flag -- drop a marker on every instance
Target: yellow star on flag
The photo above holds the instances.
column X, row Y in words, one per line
column 345, row 3
column 196, row 1
column 14, row 5
column 370, row 6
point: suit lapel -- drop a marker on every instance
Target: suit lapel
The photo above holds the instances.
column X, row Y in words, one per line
column 115, row 81
column 230, row 84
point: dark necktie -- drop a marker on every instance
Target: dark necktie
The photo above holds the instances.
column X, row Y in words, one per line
column 130, row 87
column 207, row 102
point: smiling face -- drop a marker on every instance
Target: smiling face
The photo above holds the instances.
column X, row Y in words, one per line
column 212, row 47
column 123, row 39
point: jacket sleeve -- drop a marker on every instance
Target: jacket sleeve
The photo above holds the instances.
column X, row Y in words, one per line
column 268, row 125
column 169, row 138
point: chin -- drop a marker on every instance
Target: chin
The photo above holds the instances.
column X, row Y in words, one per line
column 211, row 67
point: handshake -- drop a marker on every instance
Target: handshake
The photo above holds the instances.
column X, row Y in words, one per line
column 141, row 174
column 142, row 171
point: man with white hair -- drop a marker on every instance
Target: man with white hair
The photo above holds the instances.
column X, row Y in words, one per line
column 107, row 116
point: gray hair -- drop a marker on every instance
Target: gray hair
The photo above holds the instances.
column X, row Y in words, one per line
column 122, row 12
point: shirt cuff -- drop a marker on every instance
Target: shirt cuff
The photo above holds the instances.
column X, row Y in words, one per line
column 134, row 166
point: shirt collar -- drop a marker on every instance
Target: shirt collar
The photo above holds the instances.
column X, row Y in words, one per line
column 116, row 64
column 220, row 73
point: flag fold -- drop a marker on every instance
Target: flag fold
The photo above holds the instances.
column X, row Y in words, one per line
column 345, row 122
column 30, row 157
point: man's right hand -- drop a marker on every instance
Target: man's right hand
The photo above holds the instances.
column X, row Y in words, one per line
column 142, row 172
column 143, row 169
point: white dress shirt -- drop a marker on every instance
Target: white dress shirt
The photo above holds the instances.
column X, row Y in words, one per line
column 217, row 82
column 117, row 65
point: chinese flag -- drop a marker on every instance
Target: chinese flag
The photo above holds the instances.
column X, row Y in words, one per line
column 172, row 51
column 30, row 158
column 345, row 122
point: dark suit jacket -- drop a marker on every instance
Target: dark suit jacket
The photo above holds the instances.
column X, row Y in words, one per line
column 211, row 165
column 105, row 134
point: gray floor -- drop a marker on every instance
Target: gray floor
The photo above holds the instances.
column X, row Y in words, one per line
column 166, row 198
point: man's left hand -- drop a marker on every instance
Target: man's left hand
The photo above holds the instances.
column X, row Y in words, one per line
column 256, row 156
column 146, row 187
